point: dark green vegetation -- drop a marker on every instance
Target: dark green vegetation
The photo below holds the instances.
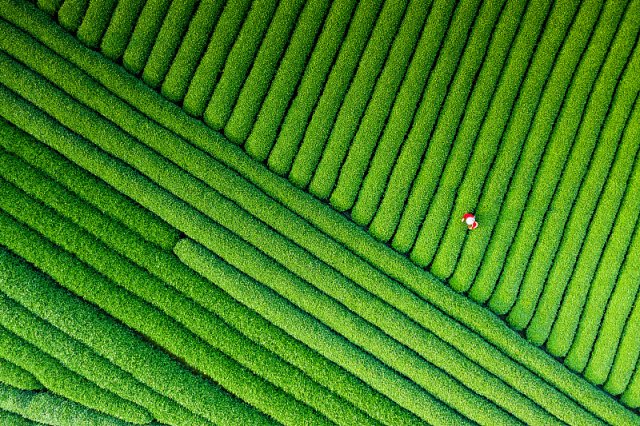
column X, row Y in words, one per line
column 248, row 212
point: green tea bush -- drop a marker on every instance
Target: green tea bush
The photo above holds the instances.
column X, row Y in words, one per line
column 290, row 135
column 439, row 210
column 168, row 40
column 239, row 61
column 11, row 419
column 70, row 14
column 116, row 37
column 88, row 187
column 317, row 335
column 17, row 377
column 269, row 115
column 351, row 105
column 201, row 396
column 208, row 72
column 50, row 409
column 144, row 35
column 266, row 63
column 402, row 112
column 95, row 22
column 526, row 135
column 208, row 359
column 57, row 378
column 326, row 95
column 440, row 151
column 579, row 164
column 172, row 271
column 374, row 118
column 388, row 214
column 191, row 49
column 50, row 6
column 85, row 362
column 553, row 161
column 194, row 317
column 511, row 347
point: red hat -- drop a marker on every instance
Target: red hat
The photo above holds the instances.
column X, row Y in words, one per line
column 467, row 216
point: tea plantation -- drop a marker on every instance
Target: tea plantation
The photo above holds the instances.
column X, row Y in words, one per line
column 239, row 212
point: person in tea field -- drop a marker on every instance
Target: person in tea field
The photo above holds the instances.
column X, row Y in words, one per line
column 470, row 220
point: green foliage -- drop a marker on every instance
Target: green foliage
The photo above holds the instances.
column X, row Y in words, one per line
column 439, row 148
column 403, row 112
column 13, row 375
column 71, row 13
column 239, row 61
column 388, row 214
column 256, row 85
column 191, row 49
column 118, row 33
column 95, row 22
column 167, row 42
column 50, row 6
column 535, row 98
column 55, row 377
column 327, row 94
column 574, row 180
column 310, row 87
column 351, row 107
column 349, row 176
column 144, row 35
column 210, row 67
column 50, row 409
column 262, row 133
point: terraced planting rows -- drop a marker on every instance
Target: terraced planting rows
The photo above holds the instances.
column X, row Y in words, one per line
column 248, row 212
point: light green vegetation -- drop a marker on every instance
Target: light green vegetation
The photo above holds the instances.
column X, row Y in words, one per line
column 230, row 212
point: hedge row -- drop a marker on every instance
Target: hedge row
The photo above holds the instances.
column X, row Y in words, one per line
column 172, row 271
column 484, row 88
column 582, row 159
column 210, row 360
column 50, row 409
column 87, row 364
column 240, row 59
column 262, row 133
column 71, row 13
column 622, row 298
column 585, row 268
column 18, row 377
column 198, row 197
column 56, row 377
column 95, row 22
column 168, row 40
column 116, row 37
column 203, row 397
column 554, row 161
column 194, row 317
column 365, row 248
column 402, row 113
column 267, row 61
column 348, row 108
column 316, row 127
column 490, row 141
column 88, row 187
column 374, row 118
column 204, row 199
column 11, row 419
column 388, row 214
column 50, row 6
column 622, row 365
column 534, row 113
column 430, row 174
column 285, row 147
column 206, row 76
column 318, row 336
column 191, row 49
column 144, row 35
